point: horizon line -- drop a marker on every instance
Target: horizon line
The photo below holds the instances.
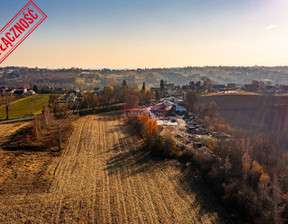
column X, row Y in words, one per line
column 150, row 68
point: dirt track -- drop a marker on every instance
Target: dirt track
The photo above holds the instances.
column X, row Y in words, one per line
column 105, row 177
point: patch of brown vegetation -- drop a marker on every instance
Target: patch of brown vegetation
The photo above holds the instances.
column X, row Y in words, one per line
column 22, row 172
column 255, row 114
column 8, row 129
column 157, row 145
column 107, row 177
column 42, row 134
column 29, row 167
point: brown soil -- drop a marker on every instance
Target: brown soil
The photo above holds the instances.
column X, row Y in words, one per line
column 7, row 129
column 104, row 176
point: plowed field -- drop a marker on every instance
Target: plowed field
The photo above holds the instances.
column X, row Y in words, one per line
column 104, row 176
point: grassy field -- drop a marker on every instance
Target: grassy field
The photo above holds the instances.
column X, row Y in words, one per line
column 232, row 93
column 23, row 107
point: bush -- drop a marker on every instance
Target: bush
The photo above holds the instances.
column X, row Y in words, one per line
column 187, row 156
column 60, row 111
column 40, row 135
column 161, row 146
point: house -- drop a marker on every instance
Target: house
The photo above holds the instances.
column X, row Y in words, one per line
column 251, row 87
column 284, row 88
column 10, row 91
column 20, row 91
column 177, row 99
column 177, row 109
column 71, row 97
column 180, row 102
column 219, row 87
column 168, row 103
column 271, row 89
column 169, row 86
column 3, row 88
column 156, row 89
column 180, row 109
column 231, row 86
column 29, row 93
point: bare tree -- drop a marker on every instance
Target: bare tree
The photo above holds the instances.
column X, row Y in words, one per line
column 6, row 100
column 207, row 83
column 91, row 100
column 191, row 101
column 108, row 94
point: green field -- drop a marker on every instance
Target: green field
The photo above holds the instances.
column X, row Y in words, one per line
column 23, row 107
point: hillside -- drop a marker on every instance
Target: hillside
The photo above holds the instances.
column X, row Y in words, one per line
column 88, row 79
column 255, row 114
column 25, row 106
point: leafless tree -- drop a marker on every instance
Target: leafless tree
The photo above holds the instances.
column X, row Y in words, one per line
column 6, row 100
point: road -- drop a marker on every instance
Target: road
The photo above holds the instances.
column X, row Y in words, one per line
column 17, row 120
column 105, row 176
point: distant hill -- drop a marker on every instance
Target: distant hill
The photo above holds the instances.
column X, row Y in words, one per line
column 88, row 79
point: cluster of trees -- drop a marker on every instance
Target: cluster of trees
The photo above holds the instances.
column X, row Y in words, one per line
column 246, row 172
column 42, row 133
column 156, row 144
column 208, row 115
column 59, row 109
column 254, row 189
column 201, row 86
column 122, row 94
column 89, row 78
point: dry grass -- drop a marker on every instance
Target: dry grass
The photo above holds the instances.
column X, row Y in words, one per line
column 105, row 176
column 21, row 171
column 255, row 114
column 7, row 129
column 39, row 136
column 236, row 93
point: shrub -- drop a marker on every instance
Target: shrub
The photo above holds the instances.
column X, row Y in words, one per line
column 60, row 111
column 162, row 146
column 187, row 156
column 158, row 145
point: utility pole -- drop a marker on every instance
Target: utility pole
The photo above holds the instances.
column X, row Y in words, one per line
column 59, row 138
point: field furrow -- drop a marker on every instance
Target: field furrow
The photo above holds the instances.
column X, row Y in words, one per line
column 105, row 176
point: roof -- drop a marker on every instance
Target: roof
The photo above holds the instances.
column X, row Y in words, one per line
column 168, row 103
column 180, row 108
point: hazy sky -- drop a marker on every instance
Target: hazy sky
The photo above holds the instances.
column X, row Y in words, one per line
column 153, row 33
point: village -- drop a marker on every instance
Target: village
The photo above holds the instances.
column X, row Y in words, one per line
column 168, row 99
column 144, row 112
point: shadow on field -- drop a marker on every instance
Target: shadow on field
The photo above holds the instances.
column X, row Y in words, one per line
column 205, row 200
column 139, row 161
column 109, row 116
column 132, row 162
column 131, row 158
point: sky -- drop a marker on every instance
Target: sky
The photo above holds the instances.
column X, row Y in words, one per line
column 122, row 34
